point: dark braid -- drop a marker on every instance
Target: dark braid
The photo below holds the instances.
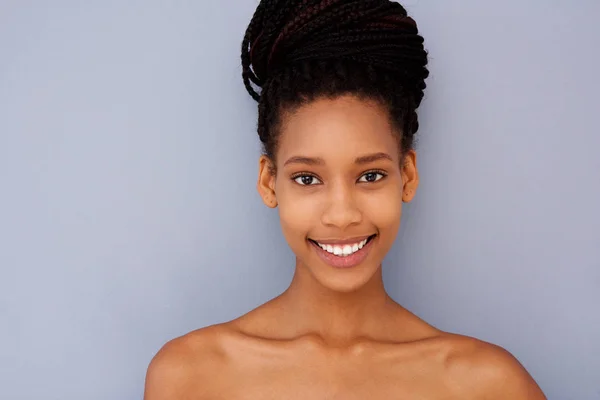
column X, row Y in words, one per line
column 296, row 51
column 247, row 74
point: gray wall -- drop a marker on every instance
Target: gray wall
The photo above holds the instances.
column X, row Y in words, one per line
column 128, row 213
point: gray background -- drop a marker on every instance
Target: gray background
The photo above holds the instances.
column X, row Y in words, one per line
column 128, row 212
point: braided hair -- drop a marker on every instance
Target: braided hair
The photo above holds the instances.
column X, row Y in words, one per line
column 296, row 51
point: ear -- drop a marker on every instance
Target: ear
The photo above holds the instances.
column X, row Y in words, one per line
column 266, row 181
column 410, row 176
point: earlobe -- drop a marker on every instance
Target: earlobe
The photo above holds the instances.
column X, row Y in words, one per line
column 266, row 182
column 271, row 202
column 408, row 195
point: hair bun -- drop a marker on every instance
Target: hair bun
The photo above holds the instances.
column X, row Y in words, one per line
column 376, row 32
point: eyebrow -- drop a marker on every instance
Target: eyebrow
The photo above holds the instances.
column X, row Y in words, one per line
column 366, row 159
column 373, row 157
column 304, row 160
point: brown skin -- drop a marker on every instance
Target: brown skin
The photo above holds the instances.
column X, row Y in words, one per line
column 335, row 333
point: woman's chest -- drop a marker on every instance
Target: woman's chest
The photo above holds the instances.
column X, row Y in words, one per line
column 332, row 379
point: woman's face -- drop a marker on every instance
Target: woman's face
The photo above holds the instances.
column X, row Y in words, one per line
column 339, row 186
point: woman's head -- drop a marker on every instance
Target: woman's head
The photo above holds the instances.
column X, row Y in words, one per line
column 340, row 82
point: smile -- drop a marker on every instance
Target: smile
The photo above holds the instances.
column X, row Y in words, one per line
column 343, row 253
column 343, row 249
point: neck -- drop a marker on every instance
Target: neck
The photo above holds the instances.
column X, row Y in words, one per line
column 336, row 316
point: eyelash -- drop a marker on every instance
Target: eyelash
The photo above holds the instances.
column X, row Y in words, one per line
column 375, row 171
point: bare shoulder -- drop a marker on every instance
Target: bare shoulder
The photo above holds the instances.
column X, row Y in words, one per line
column 483, row 370
column 186, row 367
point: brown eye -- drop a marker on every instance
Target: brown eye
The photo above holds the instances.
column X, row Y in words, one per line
column 306, row 180
column 371, row 177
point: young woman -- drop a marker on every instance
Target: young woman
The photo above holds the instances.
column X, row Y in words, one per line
column 338, row 83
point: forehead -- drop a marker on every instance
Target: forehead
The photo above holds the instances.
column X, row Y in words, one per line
column 337, row 129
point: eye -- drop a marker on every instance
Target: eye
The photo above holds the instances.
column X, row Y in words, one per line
column 306, row 180
column 372, row 176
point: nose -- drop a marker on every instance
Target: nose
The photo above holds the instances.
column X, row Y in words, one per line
column 341, row 210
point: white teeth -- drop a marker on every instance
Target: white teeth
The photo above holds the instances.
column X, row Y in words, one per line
column 347, row 250
column 344, row 250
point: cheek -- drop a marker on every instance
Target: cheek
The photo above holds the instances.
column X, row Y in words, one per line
column 297, row 214
column 383, row 209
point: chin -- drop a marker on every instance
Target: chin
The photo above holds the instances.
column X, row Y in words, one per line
column 343, row 280
column 345, row 284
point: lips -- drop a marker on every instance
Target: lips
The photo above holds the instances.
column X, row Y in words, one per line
column 343, row 248
column 343, row 253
